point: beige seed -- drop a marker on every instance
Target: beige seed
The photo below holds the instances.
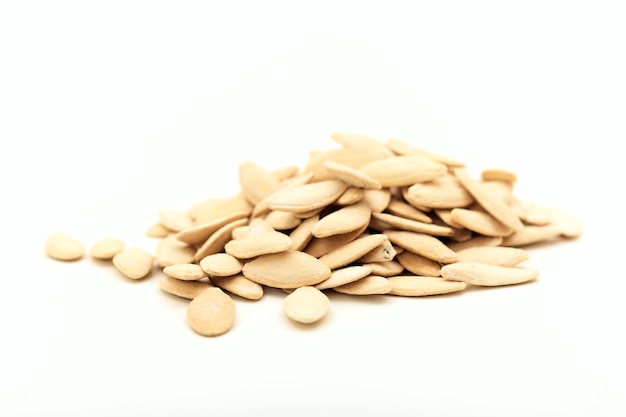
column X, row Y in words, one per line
column 403, row 170
column 175, row 220
column 62, row 247
column 443, row 192
column 158, row 230
column 258, row 244
column 352, row 176
column 494, row 255
column 413, row 225
column 318, row 247
column 343, row 276
column 357, row 140
column 531, row 214
column 385, row 269
column 262, row 206
column 402, row 209
column 568, row 224
column 370, row 285
column 256, row 182
column 531, row 235
column 352, row 195
column 308, row 196
column 306, row 305
column 184, row 289
column 211, row 313
column 288, row 269
column 377, row 200
column 185, row 272
column 282, row 220
column 216, row 242
column 239, row 285
column 445, row 215
column 198, row 234
column 286, row 172
column 422, row 244
column 302, row 234
column 220, row 265
column 258, row 226
column 480, row 222
column 212, row 209
column 352, row 157
column 343, row 220
column 106, row 248
column 352, row 251
column 381, row 253
column 487, row 275
column 490, row 203
column 498, row 174
column 400, row 147
column 171, row 251
column 134, row 262
column 419, row 265
column 418, row 286
column 476, row 241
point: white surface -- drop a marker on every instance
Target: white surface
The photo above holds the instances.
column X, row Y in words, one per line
column 112, row 111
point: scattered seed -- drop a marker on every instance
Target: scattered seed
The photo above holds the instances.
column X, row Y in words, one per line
column 62, row 247
column 306, row 305
column 211, row 313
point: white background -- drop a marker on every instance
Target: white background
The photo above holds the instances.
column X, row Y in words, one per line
column 111, row 111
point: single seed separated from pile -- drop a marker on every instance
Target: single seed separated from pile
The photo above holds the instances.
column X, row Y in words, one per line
column 211, row 313
column 63, row 247
column 306, row 305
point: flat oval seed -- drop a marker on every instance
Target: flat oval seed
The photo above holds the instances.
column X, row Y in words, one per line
column 302, row 234
column 352, row 251
column 377, row 200
column 258, row 244
column 476, row 241
column 282, row 220
column 419, row 265
column 220, row 265
column 381, row 253
column 134, row 262
column 443, row 192
column 198, row 234
column 212, row 209
column 352, row 195
column 239, row 285
column 171, row 251
column 218, row 239
column 370, row 285
column 385, row 269
column 402, row 209
column 158, row 230
column 211, row 313
column 480, row 222
column 256, row 182
column 487, row 275
column 184, row 289
column 343, row 220
column 106, row 248
column 494, row 255
column 343, row 276
column 288, row 269
column 532, row 234
column 400, row 147
column 417, row 286
column 306, row 305
column 422, row 244
column 352, row 176
column 308, row 196
column 498, row 174
column 403, row 171
column 185, row 272
column 62, row 247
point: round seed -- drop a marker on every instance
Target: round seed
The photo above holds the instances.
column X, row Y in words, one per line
column 306, row 305
column 211, row 313
column 134, row 262
column 106, row 248
column 220, row 265
column 185, row 272
column 63, row 247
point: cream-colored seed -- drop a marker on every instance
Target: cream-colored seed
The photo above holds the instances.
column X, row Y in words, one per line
column 402, row 209
column 171, row 251
column 158, row 230
column 443, row 192
column 381, row 253
column 413, row 225
column 134, row 262
column 306, row 305
column 318, row 247
column 175, row 220
column 352, row 195
column 403, row 170
column 419, row 265
column 62, row 247
column 258, row 244
column 352, row 176
column 385, row 269
column 370, row 285
column 256, row 182
column 377, row 200
column 532, row 234
column 343, row 220
column 239, row 285
column 288, row 269
column 106, row 248
column 211, row 313
column 494, row 255
column 417, row 286
column 220, row 265
column 400, row 147
column 308, row 196
column 282, row 220
column 198, row 234
column 302, row 234
column 498, row 174
column 487, row 275
column 184, row 289
column 343, row 276
column 422, row 244
column 216, row 242
column 185, row 272
column 480, row 222
column 352, row 251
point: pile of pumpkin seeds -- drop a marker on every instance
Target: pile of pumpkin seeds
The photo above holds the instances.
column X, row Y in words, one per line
column 365, row 218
